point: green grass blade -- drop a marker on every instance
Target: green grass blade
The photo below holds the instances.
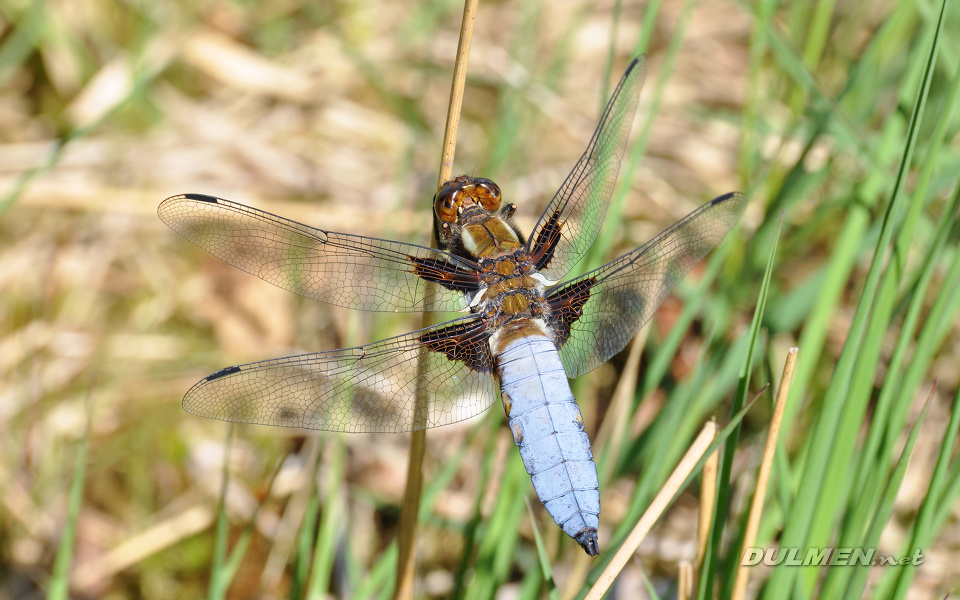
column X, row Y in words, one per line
column 495, row 554
column 932, row 335
column 532, row 584
column 926, row 272
column 647, row 583
column 836, row 277
column 708, row 570
column 379, row 582
column 27, row 34
column 218, row 575
column 749, row 158
column 923, row 532
column 305, row 543
column 873, row 463
column 950, row 494
column 474, row 527
column 858, row 579
column 242, row 544
column 60, row 580
column 545, row 565
column 799, row 524
column 328, row 537
column 511, row 112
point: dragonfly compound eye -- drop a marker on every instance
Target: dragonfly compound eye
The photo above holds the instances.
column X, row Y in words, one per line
column 448, row 202
column 488, row 195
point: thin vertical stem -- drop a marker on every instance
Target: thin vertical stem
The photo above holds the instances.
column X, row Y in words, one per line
column 685, row 588
column 407, row 536
column 456, row 92
column 708, row 494
column 763, row 477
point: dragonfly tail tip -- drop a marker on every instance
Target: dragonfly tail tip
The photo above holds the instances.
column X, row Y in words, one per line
column 588, row 541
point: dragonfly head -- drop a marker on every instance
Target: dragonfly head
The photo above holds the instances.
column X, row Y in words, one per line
column 460, row 194
column 472, row 220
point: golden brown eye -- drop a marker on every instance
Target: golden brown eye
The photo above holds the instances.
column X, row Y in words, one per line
column 488, row 195
column 447, row 203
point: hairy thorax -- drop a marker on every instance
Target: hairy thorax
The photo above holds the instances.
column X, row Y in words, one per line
column 513, row 303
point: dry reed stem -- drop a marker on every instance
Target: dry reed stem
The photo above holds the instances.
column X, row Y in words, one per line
column 708, row 494
column 94, row 573
column 656, row 508
column 763, row 476
column 456, row 92
column 685, row 580
column 407, row 536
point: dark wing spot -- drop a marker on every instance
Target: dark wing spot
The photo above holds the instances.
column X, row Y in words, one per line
column 566, row 306
column 446, row 274
column 464, row 342
column 546, row 243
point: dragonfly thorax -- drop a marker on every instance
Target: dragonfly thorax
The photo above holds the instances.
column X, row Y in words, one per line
column 513, row 293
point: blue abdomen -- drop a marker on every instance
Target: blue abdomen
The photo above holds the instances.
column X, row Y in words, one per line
column 548, row 430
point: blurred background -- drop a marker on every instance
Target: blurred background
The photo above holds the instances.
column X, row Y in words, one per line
column 331, row 113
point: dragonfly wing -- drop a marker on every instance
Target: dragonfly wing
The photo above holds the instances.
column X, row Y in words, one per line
column 597, row 314
column 570, row 223
column 371, row 388
column 346, row 270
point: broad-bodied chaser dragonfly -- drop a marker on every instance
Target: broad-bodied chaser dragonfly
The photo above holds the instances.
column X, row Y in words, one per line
column 523, row 333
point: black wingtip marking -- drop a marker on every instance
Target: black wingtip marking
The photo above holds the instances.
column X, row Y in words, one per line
column 637, row 60
column 723, row 198
column 222, row 373
column 201, row 198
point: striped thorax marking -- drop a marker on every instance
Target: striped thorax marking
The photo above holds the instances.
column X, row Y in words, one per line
column 490, row 238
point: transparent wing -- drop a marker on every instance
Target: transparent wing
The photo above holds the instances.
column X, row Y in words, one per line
column 346, row 270
column 570, row 223
column 597, row 314
column 369, row 388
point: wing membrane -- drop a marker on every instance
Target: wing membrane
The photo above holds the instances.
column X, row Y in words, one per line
column 570, row 223
column 597, row 314
column 346, row 270
column 369, row 388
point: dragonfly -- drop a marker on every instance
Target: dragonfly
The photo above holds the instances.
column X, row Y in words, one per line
column 522, row 333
